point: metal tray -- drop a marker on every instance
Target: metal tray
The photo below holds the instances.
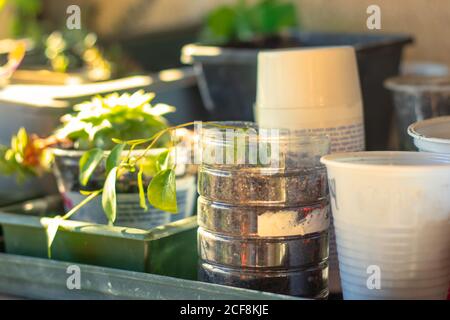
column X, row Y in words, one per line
column 36, row 278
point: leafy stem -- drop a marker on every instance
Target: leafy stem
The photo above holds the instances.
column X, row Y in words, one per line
column 86, row 200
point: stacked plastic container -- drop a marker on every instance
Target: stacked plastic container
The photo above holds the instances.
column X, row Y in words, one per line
column 315, row 90
column 263, row 224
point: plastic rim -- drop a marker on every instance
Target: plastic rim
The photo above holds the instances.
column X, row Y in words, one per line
column 390, row 161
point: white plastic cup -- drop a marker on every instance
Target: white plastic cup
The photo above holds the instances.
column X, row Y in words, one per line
column 432, row 135
column 316, row 90
column 392, row 223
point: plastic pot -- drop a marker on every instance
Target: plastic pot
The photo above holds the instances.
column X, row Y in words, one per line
column 418, row 98
column 129, row 212
column 227, row 77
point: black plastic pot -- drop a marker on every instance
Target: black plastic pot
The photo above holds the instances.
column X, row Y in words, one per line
column 227, row 77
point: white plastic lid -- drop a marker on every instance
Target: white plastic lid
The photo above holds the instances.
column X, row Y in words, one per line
column 308, row 78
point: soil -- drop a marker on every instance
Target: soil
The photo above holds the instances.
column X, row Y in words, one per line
column 253, row 187
column 284, row 253
column 307, row 283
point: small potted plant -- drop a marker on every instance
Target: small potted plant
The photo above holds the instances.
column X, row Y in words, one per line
column 226, row 60
column 107, row 139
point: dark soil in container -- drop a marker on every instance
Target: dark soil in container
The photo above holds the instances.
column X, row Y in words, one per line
column 257, row 187
column 308, row 283
column 263, row 253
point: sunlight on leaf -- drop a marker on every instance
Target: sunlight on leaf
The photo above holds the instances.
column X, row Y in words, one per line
column 88, row 163
column 113, row 159
column 161, row 191
column 162, row 162
column 51, row 230
column 142, row 200
column 109, row 196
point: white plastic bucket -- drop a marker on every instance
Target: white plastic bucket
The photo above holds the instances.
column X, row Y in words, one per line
column 432, row 135
column 402, row 196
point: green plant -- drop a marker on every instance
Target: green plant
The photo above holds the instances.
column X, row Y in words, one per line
column 66, row 49
column 108, row 125
column 243, row 23
column 123, row 117
column 109, row 129
column 25, row 19
column 72, row 49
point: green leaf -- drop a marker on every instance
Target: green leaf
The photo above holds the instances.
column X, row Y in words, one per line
column 109, row 196
column 142, row 200
column 162, row 162
column 88, row 163
column 221, row 21
column 51, row 230
column 113, row 159
column 114, row 119
column 162, row 192
column 22, row 140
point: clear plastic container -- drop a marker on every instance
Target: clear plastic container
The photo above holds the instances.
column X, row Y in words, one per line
column 263, row 209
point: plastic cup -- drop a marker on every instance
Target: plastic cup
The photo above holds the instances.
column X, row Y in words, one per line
column 432, row 135
column 392, row 216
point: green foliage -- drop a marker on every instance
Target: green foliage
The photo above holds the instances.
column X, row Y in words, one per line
column 51, row 230
column 88, row 163
column 122, row 117
column 73, row 49
column 113, row 159
column 25, row 21
column 109, row 196
column 162, row 192
column 133, row 131
column 244, row 23
column 140, row 180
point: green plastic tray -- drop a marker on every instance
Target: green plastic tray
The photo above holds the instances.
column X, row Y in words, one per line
column 168, row 250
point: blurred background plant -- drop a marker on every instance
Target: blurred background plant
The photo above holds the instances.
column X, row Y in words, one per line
column 64, row 50
column 94, row 124
column 25, row 20
column 245, row 23
column 152, row 32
